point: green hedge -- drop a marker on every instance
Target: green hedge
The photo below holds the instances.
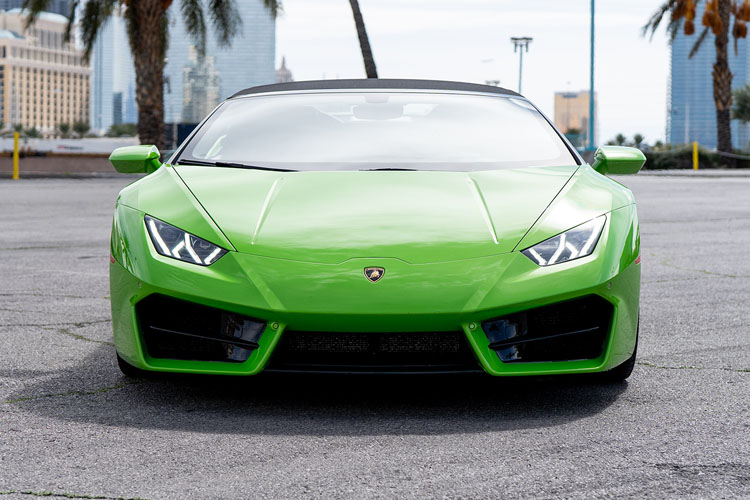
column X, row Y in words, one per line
column 683, row 158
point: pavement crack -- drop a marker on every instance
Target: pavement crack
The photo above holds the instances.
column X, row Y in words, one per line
column 667, row 262
column 64, row 494
column 673, row 280
column 44, row 247
column 93, row 392
column 39, row 294
column 74, row 324
column 733, row 470
column 692, row 221
column 65, row 331
column 687, row 367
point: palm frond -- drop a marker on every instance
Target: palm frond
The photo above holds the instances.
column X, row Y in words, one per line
column 164, row 35
column 698, row 42
column 95, row 14
column 71, row 19
column 653, row 24
column 195, row 24
column 274, row 7
column 225, row 19
column 33, row 7
column 673, row 28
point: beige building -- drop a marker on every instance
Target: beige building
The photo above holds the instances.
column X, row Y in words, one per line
column 43, row 81
column 572, row 114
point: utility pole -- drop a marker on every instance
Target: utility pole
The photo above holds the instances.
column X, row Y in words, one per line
column 592, row 119
column 521, row 42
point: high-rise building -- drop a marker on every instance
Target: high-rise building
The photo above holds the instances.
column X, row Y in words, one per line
column 200, row 86
column 247, row 62
column 61, row 7
column 283, row 74
column 691, row 112
column 112, row 77
column 44, row 81
column 572, row 116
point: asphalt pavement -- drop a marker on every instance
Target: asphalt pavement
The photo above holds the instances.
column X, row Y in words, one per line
column 71, row 426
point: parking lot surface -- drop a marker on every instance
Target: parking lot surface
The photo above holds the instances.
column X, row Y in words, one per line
column 72, row 426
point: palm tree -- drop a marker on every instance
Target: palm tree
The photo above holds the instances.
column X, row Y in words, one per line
column 364, row 41
column 741, row 107
column 148, row 34
column 716, row 18
column 638, row 140
column 64, row 129
column 574, row 136
column 81, row 128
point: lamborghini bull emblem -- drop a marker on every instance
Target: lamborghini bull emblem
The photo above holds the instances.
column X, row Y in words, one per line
column 374, row 273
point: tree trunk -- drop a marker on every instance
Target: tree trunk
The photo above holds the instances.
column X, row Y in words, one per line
column 147, row 33
column 364, row 42
column 722, row 77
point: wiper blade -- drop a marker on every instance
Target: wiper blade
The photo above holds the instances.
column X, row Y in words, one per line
column 231, row 165
column 196, row 162
column 251, row 167
column 385, row 169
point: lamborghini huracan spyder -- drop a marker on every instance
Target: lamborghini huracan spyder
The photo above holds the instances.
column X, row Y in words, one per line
column 390, row 226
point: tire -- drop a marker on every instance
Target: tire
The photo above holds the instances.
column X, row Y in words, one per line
column 129, row 370
column 622, row 372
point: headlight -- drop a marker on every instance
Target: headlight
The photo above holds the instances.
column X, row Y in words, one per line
column 572, row 244
column 176, row 243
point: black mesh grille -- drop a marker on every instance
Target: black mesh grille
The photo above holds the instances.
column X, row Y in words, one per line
column 373, row 352
column 178, row 329
column 571, row 330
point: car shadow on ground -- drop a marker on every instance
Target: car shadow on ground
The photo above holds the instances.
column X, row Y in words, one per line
column 301, row 404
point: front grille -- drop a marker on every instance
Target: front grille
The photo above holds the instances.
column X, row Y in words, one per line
column 431, row 352
column 572, row 330
column 178, row 329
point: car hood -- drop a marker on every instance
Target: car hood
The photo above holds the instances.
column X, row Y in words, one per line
column 417, row 217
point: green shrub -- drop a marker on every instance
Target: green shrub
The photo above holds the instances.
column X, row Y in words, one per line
column 681, row 157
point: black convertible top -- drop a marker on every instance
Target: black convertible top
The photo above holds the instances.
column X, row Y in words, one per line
column 374, row 83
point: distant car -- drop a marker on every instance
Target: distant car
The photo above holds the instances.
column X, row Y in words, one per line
column 389, row 226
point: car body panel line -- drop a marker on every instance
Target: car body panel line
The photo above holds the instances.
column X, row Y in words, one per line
column 483, row 207
column 266, row 207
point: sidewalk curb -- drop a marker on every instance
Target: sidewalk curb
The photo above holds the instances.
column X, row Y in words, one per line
column 712, row 173
column 66, row 175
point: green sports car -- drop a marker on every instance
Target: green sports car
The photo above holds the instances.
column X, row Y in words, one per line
column 376, row 226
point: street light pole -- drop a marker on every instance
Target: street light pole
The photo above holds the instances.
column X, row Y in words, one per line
column 592, row 119
column 521, row 42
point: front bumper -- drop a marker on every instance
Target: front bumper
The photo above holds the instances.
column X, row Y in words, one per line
column 438, row 297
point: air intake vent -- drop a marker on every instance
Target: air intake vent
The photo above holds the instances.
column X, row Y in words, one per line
column 178, row 329
column 433, row 352
column 571, row 330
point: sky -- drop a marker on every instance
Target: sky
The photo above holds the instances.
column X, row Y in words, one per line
column 470, row 41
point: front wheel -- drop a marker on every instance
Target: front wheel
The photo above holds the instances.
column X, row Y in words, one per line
column 129, row 370
column 622, row 372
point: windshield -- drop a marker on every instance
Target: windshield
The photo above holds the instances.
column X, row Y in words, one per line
column 377, row 130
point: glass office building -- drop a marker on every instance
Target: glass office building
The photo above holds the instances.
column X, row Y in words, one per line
column 112, row 78
column 195, row 85
column 691, row 112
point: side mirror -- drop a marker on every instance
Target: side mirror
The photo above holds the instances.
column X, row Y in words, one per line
column 618, row 160
column 135, row 159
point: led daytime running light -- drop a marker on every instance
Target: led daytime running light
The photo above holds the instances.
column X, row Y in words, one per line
column 178, row 244
column 575, row 243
